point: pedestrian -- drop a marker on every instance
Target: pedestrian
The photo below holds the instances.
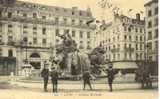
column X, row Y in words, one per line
column 110, row 76
column 54, row 79
column 45, row 76
column 86, row 80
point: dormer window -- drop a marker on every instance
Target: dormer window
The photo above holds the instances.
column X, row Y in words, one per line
column 9, row 15
column 34, row 15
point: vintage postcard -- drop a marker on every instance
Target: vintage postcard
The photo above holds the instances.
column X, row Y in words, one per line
column 106, row 49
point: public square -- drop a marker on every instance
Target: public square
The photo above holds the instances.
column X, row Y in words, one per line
column 73, row 89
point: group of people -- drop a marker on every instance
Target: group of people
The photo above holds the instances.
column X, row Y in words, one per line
column 86, row 78
column 54, row 78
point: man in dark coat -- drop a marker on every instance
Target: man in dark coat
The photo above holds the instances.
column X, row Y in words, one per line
column 110, row 76
column 86, row 80
column 45, row 75
column 54, row 79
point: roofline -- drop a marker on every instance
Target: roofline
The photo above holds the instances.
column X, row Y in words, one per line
column 50, row 6
column 150, row 2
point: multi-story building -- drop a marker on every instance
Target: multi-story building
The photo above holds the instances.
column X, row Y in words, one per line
column 124, row 41
column 152, row 33
column 29, row 31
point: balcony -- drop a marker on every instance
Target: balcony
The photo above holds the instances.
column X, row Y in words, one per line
column 2, row 43
column 47, row 22
column 30, row 45
column 115, row 50
column 11, row 43
column 129, row 49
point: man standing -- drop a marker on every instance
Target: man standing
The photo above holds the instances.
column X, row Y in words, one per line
column 45, row 75
column 86, row 80
column 110, row 77
column 54, row 79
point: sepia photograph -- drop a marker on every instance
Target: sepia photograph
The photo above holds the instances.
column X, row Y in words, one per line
column 106, row 49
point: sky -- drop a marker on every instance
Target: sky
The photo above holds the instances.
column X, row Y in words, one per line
column 124, row 5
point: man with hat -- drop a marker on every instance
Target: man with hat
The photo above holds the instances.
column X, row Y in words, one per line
column 45, row 75
column 54, row 78
column 110, row 76
column 86, row 79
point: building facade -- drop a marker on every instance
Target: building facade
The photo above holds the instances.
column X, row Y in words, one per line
column 124, row 41
column 152, row 32
column 29, row 31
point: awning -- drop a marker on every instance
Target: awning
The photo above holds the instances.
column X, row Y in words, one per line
column 125, row 65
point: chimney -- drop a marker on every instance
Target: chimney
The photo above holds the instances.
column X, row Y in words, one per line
column 138, row 17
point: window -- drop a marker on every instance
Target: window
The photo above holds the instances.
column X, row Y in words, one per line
column 34, row 40
column 156, row 45
column 125, row 28
column 129, row 29
column 0, row 13
column 125, row 55
column 65, row 20
column 9, row 26
column 73, row 34
column 136, row 46
column 130, row 46
column 149, row 13
column 25, row 32
column 44, row 17
column 1, row 27
column 34, row 15
column 149, row 35
column 136, row 38
column 10, row 53
column 80, row 22
column 81, row 42
column 156, row 10
column 9, row 15
column 140, row 56
column 0, row 38
column 56, row 20
column 125, row 37
column 141, row 38
column 156, row 33
column 10, row 38
column 125, row 46
column 136, row 30
column 109, row 48
column 130, row 38
column 149, row 24
column 44, row 41
column 81, row 34
column 25, row 39
column 118, row 38
column 34, row 29
column 156, row 22
column 57, row 32
column 0, row 52
column 141, row 46
column 44, row 31
column 140, row 30
column 137, row 56
column 88, row 34
column 25, row 26
column 73, row 21
column 24, row 15
column 73, row 13
column 149, row 45
column 80, row 13
column 113, row 39
column 150, row 58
